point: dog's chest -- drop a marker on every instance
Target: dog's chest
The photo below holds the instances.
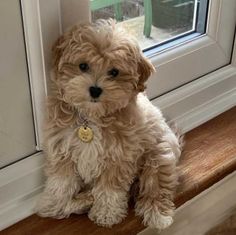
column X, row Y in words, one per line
column 109, row 145
column 88, row 156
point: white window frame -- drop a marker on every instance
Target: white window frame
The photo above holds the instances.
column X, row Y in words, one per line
column 189, row 105
column 197, row 56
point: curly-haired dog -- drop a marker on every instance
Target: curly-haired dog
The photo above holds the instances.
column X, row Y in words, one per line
column 102, row 132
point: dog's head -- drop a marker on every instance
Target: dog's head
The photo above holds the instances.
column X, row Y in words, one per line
column 98, row 68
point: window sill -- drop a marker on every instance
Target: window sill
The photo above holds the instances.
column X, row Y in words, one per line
column 208, row 157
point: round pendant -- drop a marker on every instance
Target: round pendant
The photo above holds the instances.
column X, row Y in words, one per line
column 85, row 134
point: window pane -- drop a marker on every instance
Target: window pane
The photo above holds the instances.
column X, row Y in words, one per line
column 154, row 21
column 17, row 137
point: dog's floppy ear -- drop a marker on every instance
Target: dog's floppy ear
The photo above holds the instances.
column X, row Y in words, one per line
column 57, row 51
column 61, row 45
column 145, row 69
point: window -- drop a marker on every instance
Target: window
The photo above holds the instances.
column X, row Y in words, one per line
column 17, row 138
column 153, row 22
column 192, row 37
column 193, row 56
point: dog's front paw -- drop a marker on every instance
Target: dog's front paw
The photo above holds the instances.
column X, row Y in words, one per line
column 156, row 220
column 80, row 204
column 107, row 215
column 152, row 217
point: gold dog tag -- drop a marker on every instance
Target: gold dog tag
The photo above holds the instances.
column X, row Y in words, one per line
column 85, row 134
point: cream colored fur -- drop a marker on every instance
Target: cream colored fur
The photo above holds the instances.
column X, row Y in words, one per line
column 131, row 138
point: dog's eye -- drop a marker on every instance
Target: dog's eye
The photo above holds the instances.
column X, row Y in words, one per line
column 84, row 67
column 113, row 72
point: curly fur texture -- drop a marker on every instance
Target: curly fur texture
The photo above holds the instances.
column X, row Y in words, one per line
column 131, row 138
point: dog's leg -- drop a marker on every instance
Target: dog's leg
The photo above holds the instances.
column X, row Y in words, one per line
column 111, row 194
column 81, row 203
column 61, row 186
column 158, row 183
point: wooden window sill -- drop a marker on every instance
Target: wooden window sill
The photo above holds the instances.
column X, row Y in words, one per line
column 209, row 156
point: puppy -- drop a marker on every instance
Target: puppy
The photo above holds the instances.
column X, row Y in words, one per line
column 102, row 132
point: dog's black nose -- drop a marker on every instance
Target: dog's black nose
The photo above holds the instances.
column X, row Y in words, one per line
column 95, row 91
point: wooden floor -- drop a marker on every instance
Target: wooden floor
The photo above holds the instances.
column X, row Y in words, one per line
column 227, row 227
column 209, row 155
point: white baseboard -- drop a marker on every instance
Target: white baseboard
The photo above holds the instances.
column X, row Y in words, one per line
column 20, row 185
column 203, row 212
column 20, row 209
column 190, row 106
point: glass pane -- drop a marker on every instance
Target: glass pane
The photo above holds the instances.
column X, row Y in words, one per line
column 17, row 139
column 154, row 21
